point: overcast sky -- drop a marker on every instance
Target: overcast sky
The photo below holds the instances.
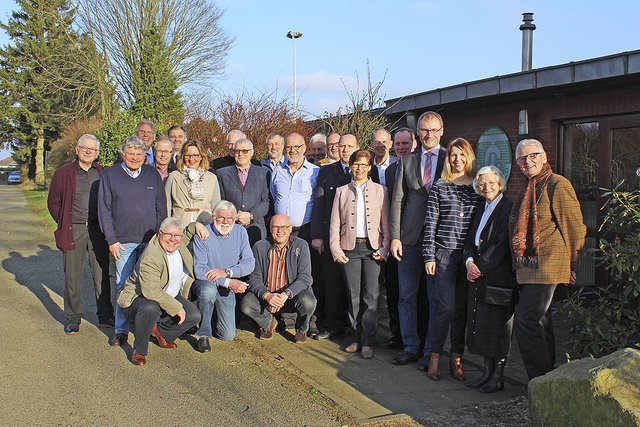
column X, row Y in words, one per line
column 421, row 44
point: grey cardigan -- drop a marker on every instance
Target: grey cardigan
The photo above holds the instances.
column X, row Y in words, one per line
column 298, row 262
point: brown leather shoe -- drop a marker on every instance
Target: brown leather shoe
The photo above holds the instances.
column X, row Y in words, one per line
column 455, row 366
column 267, row 333
column 161, row 341
column 300, row 337
column 138, row 359
column 433, row 370
column 352, row 348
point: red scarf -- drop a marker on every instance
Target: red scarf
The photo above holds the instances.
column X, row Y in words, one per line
column 526, row 235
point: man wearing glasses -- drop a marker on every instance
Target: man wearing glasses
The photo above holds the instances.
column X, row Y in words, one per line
column 155, row 296
column 219, row 262
column 281, row 281
column 73, row 204
column 229, row 160
column 293, row 186
column 333, row 153
column 163, row 163
column 415, row 175
column 146, row 131
column 247, row 187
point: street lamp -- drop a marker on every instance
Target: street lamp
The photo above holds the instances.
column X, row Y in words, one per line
column 293, row 35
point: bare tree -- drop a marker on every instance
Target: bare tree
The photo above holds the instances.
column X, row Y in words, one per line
column 365, row 113
column 194, row 45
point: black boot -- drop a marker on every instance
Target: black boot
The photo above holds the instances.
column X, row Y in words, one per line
column 496, row 382
column 489, row 367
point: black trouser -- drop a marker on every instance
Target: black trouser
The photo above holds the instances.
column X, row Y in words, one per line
column 335, row 293
column 303, row 304
column 88, row 240
column 534, row 329
column 146, row 314
column 318, row 286
column 363, row 289
column 390, row 274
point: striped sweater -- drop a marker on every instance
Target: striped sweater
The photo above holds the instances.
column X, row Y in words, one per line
column 450, row 211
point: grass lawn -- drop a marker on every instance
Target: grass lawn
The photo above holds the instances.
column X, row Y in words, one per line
column 37, row 202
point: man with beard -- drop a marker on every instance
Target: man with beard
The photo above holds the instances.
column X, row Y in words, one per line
column 275, row 150
column 218, row 263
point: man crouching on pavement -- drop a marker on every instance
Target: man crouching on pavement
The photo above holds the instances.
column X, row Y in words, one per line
column 219, row 261
column 281, row 281
column 155, row 294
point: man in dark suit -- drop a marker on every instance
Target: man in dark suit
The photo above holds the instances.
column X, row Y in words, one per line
column 404, row 142
column 229, row 159
column 416, row 173
column 332, row 176
column 178, row 136
column 247, row 187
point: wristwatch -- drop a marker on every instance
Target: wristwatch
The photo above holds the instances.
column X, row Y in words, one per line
column 288, row 293
column 228, row 272
column 250, row 218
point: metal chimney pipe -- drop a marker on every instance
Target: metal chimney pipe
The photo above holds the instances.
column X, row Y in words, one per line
column 527, row 40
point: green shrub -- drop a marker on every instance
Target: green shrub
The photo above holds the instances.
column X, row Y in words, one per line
column 112, row 135
column 608, row 318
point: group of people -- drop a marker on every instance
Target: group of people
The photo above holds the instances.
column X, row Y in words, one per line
column 318, row 236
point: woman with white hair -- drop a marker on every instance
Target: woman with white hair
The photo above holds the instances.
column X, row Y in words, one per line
column 487, row 257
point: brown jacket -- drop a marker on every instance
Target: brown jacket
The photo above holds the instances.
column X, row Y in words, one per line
column 150, row 278
column 562, row 235
column 342, row 230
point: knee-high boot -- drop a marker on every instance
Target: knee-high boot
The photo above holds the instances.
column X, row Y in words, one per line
column 496, row 382
column 489, row 367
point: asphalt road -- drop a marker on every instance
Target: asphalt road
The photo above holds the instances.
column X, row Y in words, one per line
column 49, row 378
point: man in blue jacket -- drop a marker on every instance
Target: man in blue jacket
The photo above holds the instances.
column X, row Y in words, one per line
column 281, row 281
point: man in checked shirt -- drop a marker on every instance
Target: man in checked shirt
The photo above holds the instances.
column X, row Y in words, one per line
column 281, row 281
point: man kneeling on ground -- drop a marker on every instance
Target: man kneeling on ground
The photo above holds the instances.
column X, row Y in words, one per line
column 219, row 263
column 281, row 281
column 155, row 294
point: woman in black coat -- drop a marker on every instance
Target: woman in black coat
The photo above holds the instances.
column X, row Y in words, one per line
column 491, row 280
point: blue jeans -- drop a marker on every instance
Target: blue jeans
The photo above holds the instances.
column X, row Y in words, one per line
column 124, row 267
column 410, row 273
column 212, row 297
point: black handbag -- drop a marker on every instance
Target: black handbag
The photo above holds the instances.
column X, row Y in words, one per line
column 498, row 296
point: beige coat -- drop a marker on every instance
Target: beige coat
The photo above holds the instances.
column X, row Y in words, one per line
column 562, row 234
column 178, row 197
column 342, row 229
column 150, row 278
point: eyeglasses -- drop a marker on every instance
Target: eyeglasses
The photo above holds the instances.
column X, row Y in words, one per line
column 172, row 236
column 280, row 227
column 166, row 152
column 243, row 151
column 522, row 159
column 145, row 132
column 487, row 184
column 88, row 149
column 359, row 165
column 335, row 144
column 293, row 147
column 192, row 156
column 225, row 219
column 428, row 131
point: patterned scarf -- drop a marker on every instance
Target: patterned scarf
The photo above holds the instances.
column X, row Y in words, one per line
column 194, row 181
column 526, row 235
